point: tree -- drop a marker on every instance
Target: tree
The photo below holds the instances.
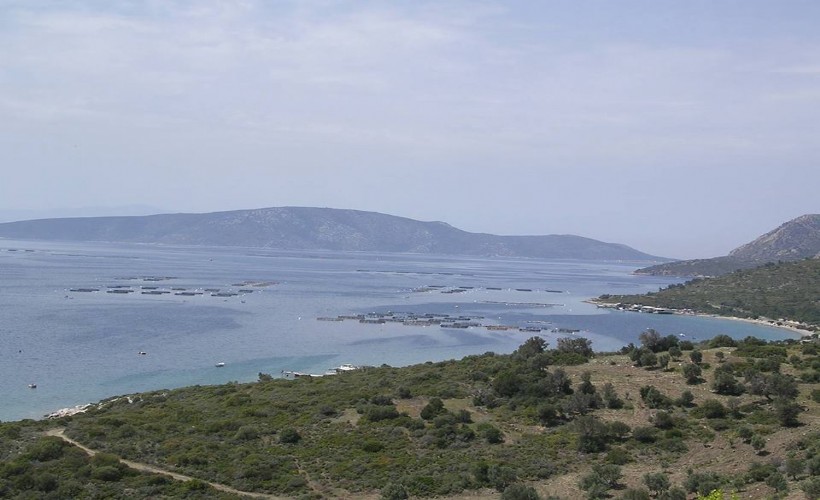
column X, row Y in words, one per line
column 602, row 478
column 648, row 359
column 686, row 399
column 610, row 397
column 787, row 412
column 663, row 361
column 650, row 339
column 657, row 482
column 675, row 352
column 592, row 434
column 725, row 382
column 586, row 386
column 692, row 373
column 530, row 348
column 696, row 357
column 434, row 408
column 577, row 345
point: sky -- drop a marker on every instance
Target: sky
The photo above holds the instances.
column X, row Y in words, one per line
column 682, row 129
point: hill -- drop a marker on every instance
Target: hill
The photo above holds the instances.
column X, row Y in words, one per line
column 789, row 290
column 539, row 422
column 794, row 240
column 299, row 228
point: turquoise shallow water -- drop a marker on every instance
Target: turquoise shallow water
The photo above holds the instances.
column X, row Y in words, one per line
column 81, row 347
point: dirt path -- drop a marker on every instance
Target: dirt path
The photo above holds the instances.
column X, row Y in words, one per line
column 60, row 433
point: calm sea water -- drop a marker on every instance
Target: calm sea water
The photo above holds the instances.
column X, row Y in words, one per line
column 81, row 347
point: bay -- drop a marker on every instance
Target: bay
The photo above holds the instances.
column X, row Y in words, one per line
column 80, row 347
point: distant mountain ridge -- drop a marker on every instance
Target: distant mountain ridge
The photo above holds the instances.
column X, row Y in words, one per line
column 305, row 228
column 794, row 240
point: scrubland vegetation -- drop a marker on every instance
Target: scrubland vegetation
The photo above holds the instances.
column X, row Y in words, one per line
column 665, row 419
column 783, row 290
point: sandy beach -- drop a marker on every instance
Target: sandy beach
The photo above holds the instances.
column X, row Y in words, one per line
column 764, row 322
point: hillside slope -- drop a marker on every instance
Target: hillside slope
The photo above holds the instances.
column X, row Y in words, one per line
column 299, row 228
column 788, row 290
column 794, row 240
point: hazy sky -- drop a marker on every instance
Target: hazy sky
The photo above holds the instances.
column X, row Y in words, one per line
column 681, row 128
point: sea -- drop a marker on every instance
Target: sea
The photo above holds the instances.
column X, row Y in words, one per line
column 83, row 346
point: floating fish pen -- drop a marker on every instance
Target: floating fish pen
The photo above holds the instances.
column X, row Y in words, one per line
column 149, row 287
column 499, row 327
column 493, row 288
column 523, row 289
column 245, row 290
column 121, row 291
column 155, row 292
column 188, row 294
column 329, row 318
column 530, row 329
column 212, row 290
column 84, row 290
column 224, row 294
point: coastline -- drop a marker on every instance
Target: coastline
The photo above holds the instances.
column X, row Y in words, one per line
column 762, row 322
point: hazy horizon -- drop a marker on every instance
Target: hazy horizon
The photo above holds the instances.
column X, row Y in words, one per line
column 680, row 129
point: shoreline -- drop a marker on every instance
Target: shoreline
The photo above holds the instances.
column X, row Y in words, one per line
column 762, row 322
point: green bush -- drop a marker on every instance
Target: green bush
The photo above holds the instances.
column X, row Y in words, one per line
column 289, row 436
column 518, row 491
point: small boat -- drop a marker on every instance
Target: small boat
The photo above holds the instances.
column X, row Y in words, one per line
column 142, row 353
column 32, row 386
column 220, row 365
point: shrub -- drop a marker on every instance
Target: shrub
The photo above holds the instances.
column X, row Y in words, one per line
column 686, row 399
column 246, row 433
column 644, row 434
column 725, row 382
column 612, row 401
column 657, row 482
column 107, row 473
column 394, row 491
column 289, row 436
column 635, row 494
column 702, row 483
column 592, row 434
column 758, row 443
column 654, row 398
column 500, row 476
column 47, row 448
column 722, row 341
column 674, row 493
column 618, row 456
column 696, row 357
column 787, row 412
column 711, row 408
column 663, row 420
column 811, row 487
column 492, row 434
column 434, row 408
column 518, row 491
column 691, row 373
column 372, row 446
column 379, row 413
column 794, row 466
